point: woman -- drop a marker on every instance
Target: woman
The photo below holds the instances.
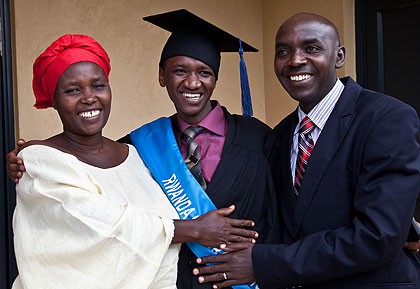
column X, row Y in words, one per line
column 88, row 213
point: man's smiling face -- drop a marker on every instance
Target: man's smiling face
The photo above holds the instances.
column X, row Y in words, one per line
column 306, row 58
column 190, row 84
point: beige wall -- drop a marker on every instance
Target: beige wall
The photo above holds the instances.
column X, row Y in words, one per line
column 134, row 47
column 274, row 12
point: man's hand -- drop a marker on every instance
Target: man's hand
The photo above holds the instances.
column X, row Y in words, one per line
column 14, row 165
column 234, row 269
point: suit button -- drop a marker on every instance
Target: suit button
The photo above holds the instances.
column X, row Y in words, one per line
column 192, row 263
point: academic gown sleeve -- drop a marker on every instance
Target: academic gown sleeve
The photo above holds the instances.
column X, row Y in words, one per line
column 67, row 234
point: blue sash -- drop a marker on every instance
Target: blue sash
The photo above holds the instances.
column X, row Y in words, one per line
column 156, row 144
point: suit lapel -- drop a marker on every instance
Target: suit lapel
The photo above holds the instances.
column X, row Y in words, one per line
column 326, row 146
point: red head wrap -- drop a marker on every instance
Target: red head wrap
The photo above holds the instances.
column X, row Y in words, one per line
column 65, row 51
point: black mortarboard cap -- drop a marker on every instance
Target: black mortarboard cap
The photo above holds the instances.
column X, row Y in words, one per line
column 195, row 37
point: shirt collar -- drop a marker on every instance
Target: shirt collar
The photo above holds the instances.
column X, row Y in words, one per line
column 215, row 121
column 321, row 112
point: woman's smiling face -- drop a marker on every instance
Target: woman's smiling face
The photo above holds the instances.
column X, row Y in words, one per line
column 83, row 99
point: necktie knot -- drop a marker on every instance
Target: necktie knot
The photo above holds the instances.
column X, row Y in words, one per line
column 192, row 132
column 306, row 126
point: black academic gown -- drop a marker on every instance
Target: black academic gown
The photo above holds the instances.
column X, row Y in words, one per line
column 242, row 178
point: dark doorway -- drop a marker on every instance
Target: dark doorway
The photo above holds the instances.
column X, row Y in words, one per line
column 387, row 41
column 387, row 45
column 8, row 270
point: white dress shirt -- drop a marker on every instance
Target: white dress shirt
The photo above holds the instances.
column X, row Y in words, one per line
column 319, row 116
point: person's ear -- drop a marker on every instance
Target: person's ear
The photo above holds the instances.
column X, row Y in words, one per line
column 161, row 78
column 340, row 57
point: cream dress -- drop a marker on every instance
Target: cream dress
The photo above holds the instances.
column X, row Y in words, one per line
column 79, row 226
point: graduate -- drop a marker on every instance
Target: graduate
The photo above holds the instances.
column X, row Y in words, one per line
column 231, row 167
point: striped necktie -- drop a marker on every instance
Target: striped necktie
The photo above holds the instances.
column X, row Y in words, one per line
column 193, row 159
column 305, row 147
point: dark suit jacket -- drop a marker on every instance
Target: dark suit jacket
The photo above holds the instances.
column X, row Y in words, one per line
column 348, row 226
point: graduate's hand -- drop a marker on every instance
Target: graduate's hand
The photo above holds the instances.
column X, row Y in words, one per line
column 14, row 165
column 217, row 230
column 233, row 268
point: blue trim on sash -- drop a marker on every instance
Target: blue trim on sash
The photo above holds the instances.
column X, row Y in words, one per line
column 157, row 146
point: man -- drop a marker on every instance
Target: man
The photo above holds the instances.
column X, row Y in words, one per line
column 234, row 167
column 347, row 169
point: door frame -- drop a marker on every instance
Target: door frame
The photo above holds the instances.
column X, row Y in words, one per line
column 8, row 269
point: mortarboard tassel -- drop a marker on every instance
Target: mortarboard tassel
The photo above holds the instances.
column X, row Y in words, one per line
column 245, row 92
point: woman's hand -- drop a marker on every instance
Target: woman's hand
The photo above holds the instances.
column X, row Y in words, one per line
column 215, row 229
column 412, row 246
column 14, row 165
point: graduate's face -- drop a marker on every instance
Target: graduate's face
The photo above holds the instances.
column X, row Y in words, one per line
column 306, row 58
column 83, row 99
column 190, row 84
